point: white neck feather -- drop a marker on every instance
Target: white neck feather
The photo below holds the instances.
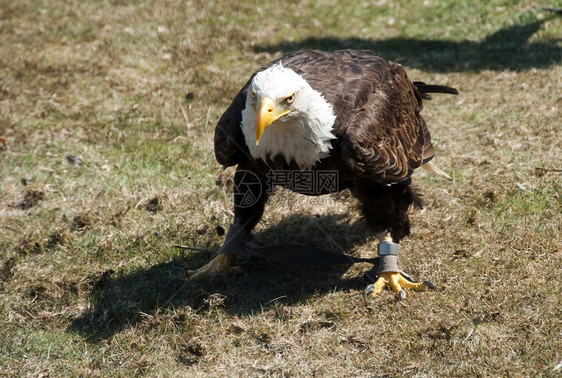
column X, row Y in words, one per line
column 302, row 136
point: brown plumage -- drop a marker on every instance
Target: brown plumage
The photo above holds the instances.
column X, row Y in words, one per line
column 380, row 136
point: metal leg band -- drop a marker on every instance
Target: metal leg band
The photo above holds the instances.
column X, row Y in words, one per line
column 387, row 248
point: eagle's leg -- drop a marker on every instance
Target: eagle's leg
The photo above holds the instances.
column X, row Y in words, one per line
column 390, row 275
column 250, row 197
column 237, row 242
column 386, row 208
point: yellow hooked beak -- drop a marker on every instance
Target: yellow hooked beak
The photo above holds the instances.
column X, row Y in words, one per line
column 266, row 116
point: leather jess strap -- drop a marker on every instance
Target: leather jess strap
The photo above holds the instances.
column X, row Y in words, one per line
column 300, row 255
column 305, row 256
column 238, row 242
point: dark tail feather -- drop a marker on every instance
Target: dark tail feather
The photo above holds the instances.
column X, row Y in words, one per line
column 429, row 88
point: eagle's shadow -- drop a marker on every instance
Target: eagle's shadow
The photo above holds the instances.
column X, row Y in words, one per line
column 510, row 48
column 122, row 300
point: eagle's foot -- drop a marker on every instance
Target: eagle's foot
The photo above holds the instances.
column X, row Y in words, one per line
column 220, row 265
column 389, row 274
column 398, row 283
column 237, row 242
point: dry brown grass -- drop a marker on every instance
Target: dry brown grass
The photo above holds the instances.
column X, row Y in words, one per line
column 108, row 110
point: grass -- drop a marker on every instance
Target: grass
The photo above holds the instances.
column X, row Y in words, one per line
column 108, row 110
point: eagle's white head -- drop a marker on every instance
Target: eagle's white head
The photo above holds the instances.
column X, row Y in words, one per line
column 285, row 116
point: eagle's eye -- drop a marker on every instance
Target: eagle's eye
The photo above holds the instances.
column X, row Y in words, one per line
column 253, row 99
column 290, row 99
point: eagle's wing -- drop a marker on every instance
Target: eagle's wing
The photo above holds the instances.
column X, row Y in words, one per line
column 386, row 138
column 230, row 147
column 378, row 125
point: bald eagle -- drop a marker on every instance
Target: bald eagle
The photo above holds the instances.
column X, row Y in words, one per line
column 350, row 113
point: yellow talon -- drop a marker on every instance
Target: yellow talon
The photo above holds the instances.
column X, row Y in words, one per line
column 218, row 265
column 397, row 283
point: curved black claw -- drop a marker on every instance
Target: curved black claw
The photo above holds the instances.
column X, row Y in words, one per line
column 177, row 276
column 369, row 289
column 248, row 265
column 429, row 285
column 178, row 272
column 401, row 295
column 175, row 282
